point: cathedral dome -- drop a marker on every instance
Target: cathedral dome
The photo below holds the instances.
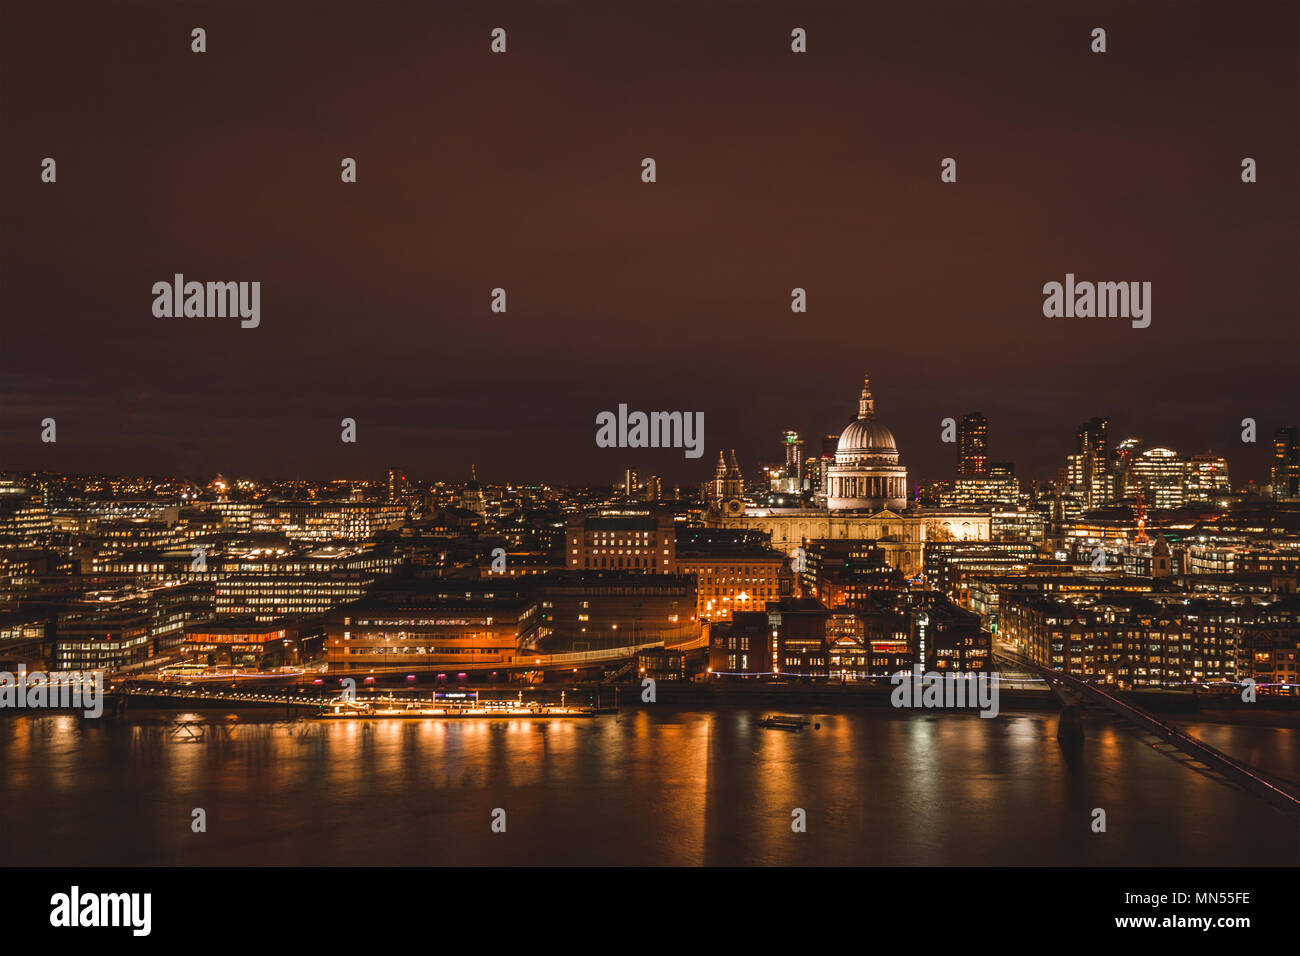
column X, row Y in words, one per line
column 867, row 474
column 865, row 437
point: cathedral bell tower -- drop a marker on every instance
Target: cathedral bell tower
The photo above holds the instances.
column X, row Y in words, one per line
column 727, row 490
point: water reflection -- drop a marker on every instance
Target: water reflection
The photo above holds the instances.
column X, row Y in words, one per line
column 650, row 786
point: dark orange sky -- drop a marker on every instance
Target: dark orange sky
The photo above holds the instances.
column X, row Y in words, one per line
column 522, row 171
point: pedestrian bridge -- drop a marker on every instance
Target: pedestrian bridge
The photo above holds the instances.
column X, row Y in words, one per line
column 1072, row 691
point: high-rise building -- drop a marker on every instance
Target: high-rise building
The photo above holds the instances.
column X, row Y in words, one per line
column 397, row 485
column 1286, row 462
column 973, row 446
column 793, row 458
column 1159, row 473
column 1122, row 465
column 1087, row 467
column 812, row 471
column 998, row 485
column 819, row 467
column 1207, row 478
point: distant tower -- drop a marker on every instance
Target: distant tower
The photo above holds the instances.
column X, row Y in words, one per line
column 719, row 475
column 973, row 446
column 829, row 444
column 397, row 485
column 727, row 490
column 734, row 485
column 1090, row 469
column 1160, row 559
column 472, row 498
column 1285, row 476
column 1122, row 460
column 793, row 458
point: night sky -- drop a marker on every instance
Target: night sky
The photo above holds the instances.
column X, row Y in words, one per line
column 522, row 170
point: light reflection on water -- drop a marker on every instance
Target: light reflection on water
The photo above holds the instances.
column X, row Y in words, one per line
column 652, row 786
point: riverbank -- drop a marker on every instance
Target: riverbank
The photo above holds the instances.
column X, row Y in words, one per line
column 1172, row 705
column 1013, row 698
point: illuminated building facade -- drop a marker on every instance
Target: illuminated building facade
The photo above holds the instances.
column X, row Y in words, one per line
column 271, row 582
column 973, row 446
column 1100, row 641
column 847, row 573
column 327, row 521
column 1023, row 523
column 996, row 486
column 1285, row 472
column 1088, row 468
column 102, row 633
column 867, row 474
column 1206, row 479
column 1159, row 473
column 798, row 635
column 622, row 539
column 452, row 628
column 23, row 516
column 792, row 444
column 108, row 630
column 732, row 575
column 741, row 647
column 1154, row 639
column 240, row 643
column 587, row 610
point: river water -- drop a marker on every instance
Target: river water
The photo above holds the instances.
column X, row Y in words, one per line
column 652, row 786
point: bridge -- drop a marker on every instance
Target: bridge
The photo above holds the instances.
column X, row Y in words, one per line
column 201, row 695
column 300, row 702
column 1073, row 692
column 253, row 688
column 518, row 661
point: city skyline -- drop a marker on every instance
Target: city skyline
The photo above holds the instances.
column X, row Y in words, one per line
column 699, row 472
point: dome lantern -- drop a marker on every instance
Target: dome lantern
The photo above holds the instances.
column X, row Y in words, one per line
column 866, row 404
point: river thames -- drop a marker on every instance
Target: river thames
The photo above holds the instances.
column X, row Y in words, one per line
column 654, row 786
